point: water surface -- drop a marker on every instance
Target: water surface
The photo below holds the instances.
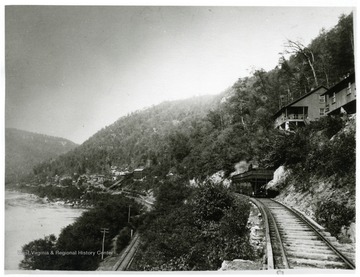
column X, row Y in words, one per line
column 28, row 217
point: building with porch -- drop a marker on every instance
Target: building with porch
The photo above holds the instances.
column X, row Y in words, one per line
column 309, row 107
column 341, row 97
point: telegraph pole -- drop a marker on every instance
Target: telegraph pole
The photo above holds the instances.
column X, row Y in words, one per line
column 104, row 231
column 131, row 233
column 129, row 214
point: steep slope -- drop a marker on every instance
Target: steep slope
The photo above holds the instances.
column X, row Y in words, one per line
column 323, row 184
column 198, row 137
column 132, row 141
column 23, row 150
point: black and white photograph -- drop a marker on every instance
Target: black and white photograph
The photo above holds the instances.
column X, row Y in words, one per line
column 162, row 137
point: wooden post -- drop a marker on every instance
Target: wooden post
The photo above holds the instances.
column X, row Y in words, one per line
column 104, row 231
column 129, row 215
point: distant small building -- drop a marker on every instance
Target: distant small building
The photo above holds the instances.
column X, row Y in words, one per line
column 115, row 172
column 341, row 97
column 98, row 178
column 66, row 181
column 307, row 108
column 138, row 173
column 125, row 173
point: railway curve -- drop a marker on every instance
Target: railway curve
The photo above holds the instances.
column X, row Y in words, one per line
column 294, row 242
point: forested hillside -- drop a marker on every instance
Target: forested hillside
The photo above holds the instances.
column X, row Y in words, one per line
column 135, row 140
column 23, row 150
column 320, row 164
column 197, row 227
column 200, row 136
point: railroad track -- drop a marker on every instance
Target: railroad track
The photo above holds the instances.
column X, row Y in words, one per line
column 127, row 255
column 294, row 242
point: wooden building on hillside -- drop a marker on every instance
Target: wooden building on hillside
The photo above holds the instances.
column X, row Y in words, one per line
column 253, row 181
column 138, row 173
column 341, row 97
column 307, row 108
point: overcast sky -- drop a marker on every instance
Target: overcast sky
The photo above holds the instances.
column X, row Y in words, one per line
column 71, row 71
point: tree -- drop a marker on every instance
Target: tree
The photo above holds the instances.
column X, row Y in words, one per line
column 211, row 202
column 297, row 48
column 179, row 145
column 123, row 239
column 215, row 118
column 340, row 46
column 197, row 234
column 39, row 254
column 321, row 48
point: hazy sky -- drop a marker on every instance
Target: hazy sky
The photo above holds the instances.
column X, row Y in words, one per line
column 71, row 71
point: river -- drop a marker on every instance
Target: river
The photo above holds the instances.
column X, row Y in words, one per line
column 28, row 217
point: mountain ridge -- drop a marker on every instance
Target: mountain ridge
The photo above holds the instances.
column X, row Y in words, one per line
column 25, row 149
column 132, row 140
column 197, row 137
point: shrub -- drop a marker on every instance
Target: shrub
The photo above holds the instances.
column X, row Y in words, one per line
column 196, row 234
column 211, row 201
column 334, row 215
column 317, row 150
column 36, row 256
column 329, row 125
column 123, row 239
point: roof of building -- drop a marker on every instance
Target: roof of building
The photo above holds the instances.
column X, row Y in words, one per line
column 342, row 84
column 297, row 100
column 254, row 174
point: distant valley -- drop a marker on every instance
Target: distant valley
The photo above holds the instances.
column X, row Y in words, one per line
column 23, row 150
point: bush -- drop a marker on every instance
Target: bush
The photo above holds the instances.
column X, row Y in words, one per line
column 198, row 233
column 170, row 195
column 317, row 150
column 211, row 201
column 123, row 239
column 284, row 149
column 329, row 125
column 334, row 215
column 41, row 260
column 342, row 155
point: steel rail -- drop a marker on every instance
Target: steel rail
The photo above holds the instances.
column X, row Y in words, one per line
column 278, row 237
column 132, row 259
column 125, row 254
column 269, row 251
column 318, row 233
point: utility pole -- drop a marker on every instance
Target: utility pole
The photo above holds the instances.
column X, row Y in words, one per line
column 131, row 233
column 129, row 214
column 104, row 231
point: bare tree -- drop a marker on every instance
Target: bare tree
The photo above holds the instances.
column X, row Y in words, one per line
column 297, row 48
